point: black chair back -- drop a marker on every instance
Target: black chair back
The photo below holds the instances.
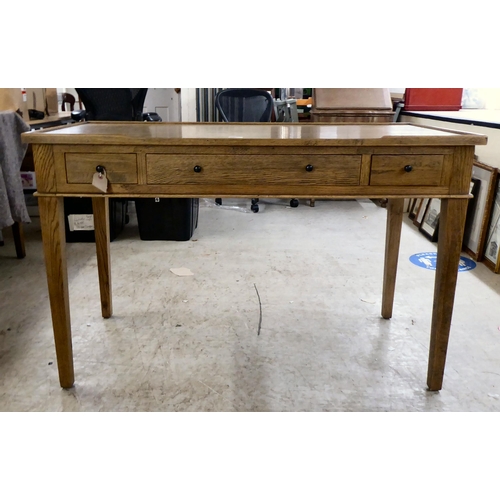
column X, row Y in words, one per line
column 113, row 104
column 244, row 105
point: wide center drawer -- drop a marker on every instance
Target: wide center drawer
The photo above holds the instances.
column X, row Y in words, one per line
column 406, row 170
column 120, row 168
column 342, row 170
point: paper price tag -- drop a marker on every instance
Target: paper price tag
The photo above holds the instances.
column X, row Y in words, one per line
column 81, row 222
column 100, row 181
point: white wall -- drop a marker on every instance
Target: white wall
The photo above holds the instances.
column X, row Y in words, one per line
column 188, row 105
column 489, row 154
column 487, row 98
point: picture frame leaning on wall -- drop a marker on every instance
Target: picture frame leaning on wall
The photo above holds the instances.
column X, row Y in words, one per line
column 477, row 222
column 492, row 245
column 413, row 208
column 420, row 211
column 430, row 221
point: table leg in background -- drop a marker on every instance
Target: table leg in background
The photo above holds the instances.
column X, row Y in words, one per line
column 100, row 207
column 392, row 241
column 54, row 246
column 451, row 229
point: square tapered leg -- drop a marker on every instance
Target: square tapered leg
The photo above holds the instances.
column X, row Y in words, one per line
column 54, row 247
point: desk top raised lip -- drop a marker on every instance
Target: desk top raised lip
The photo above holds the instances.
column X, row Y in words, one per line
column 252, row 134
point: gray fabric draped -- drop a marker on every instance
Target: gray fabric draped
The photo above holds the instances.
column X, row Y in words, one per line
column 12, row 151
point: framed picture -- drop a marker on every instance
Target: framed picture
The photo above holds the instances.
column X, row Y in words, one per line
column 478, row 214
column 493, row 236
column 430, row 221
column 412, row 210
column 420, row 210
column 406, row 204
column 471, row 206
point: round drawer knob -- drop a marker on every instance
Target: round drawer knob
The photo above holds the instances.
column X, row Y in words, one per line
column 99, row 169
column 197, row 169
column 408, row 168
column 309, row 168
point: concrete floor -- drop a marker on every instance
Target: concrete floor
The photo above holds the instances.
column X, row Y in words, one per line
column 191, row 343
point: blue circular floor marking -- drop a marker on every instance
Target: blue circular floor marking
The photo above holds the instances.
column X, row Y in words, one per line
column 427, row 260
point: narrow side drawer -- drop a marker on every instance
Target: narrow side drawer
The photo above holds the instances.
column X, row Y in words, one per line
column 120, row 168
column 406, row 170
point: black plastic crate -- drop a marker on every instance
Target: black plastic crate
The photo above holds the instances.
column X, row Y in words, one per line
column 172, row 219
column 83, row 206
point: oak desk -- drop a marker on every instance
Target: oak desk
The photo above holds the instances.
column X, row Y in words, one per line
column 393, row 161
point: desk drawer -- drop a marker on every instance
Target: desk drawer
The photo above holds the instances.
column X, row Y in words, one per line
column 120, row 168
column 309, row 170
column 406, row 170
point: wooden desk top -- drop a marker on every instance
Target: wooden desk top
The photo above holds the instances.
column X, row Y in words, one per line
column 252, row 134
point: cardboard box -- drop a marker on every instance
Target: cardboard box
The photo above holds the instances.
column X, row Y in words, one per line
column 10, row 99
column 51, row 100
column 40, row 99
column 43, row 100
column 36, row 99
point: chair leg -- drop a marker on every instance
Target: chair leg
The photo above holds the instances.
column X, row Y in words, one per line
column 17, row 232
column 255, row 206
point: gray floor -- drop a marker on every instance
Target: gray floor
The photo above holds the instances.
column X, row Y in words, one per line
column 191, row 343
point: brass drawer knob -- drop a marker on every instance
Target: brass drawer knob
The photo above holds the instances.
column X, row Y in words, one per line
column 408, row 168
column 309, row 168
column 197, row 169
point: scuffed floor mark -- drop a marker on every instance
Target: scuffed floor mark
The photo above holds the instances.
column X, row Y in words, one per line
column 260, row 309
column 216, row 392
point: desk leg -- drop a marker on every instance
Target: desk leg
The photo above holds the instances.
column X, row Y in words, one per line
column 451, row 229
column 392, row 240
column 54, row 247
column 100, row 207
